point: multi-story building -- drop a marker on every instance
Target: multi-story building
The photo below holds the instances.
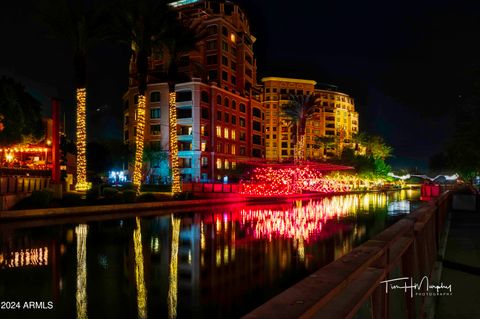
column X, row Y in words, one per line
column 335, row 117
column 218, row 107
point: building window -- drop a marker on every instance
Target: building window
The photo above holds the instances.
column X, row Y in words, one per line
column 257, row 112
column 219, row 163
column 224, row 46
column 155, row 130
column 204, row 162
column 184, row 96
column 205, row 97
column 257, row 126
column 234, row 119
column 219, row 115
column 225, row 117
column 219, row 131
column 234, row 149
column 225, row 31
column 155, row 97
column 219, row 99
column 224, row 76
column 233, row 79
column 212, row 75
column 211, row 45
column 243, row 136
column 233, row 38
column 184, row 113
column 227, row 164
column 257, row 140
column 243, row 151
column 232, row 134
column 225, row 132
column 205, row 113
column 233, row 66
column 242, row 122
column 204, row 146
column 242, row 108
column 212, row 59
column 234, row 104
column 212, row 29
column 219, row 147
column 234, row 165
column 155, row 113
column 224, row 60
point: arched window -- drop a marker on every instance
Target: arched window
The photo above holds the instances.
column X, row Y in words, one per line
column 219, row 99
column 205, row 97
column 155, row 97
column 226, row 102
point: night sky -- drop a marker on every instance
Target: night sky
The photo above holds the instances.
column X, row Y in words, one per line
column 408, row 64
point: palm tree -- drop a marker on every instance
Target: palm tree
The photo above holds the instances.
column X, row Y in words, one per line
column 182, row 37
column 375, row 145
column 325, row 142
column 141, row 24
column 298, row 110
column 81, row 25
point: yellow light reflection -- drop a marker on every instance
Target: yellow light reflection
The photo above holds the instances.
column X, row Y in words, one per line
column 173, row 279
column 81, row 294
column 139, row 272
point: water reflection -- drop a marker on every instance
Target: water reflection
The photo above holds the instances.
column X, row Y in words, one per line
column 81, row 295
column 173, row 278
column 201, row 264
column 139, row 270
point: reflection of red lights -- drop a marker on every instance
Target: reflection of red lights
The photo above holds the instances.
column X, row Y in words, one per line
column 267, row 181
column 301, row 222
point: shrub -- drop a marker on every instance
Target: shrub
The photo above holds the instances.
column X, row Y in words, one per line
column 129, row 196
column 146, row 197
column 183, row 196
column 128, row 186
column 112, row 195
column 72, row 199
column 110, row 192
column 41, row 199
column 93, row 194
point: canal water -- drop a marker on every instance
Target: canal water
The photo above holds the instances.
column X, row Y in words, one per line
column 218, row 262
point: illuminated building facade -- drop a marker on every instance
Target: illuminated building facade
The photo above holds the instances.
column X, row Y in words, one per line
column 219, row 110
column 335, row 117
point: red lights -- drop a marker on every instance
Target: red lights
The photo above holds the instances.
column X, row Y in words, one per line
column 269, row 181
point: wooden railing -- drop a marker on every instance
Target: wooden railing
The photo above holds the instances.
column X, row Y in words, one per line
column 22, row 184
column 351, row 287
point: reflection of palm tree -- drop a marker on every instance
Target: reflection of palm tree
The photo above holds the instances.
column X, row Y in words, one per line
column 80, row 25
column 298, row 110
column 139, row 270
column 173, row 277
column 81, row 295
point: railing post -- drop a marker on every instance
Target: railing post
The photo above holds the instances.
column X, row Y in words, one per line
column 379, row 303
